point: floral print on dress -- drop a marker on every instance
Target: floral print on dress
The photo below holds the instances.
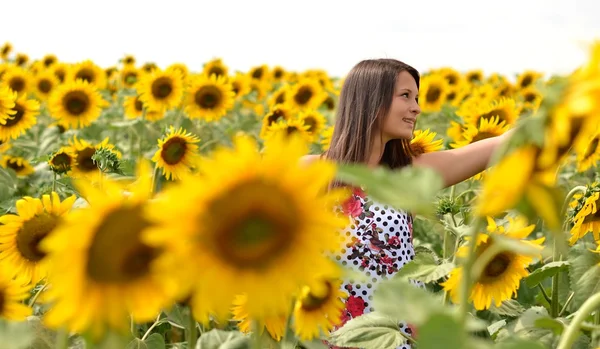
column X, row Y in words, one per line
column 379, row 243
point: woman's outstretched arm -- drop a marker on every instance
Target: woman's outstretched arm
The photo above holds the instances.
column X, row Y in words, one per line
column 457, row 165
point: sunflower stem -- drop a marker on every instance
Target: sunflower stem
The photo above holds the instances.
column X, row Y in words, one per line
column 564, row 308
column 465, row 287
column 192, row 334
column 572, row 331
column 62, row 339
column 156, row 323
column 155, row 180
column 546, row 297
column 556, row 256
column 36, row 295
column 256, row 335
column 54, row 182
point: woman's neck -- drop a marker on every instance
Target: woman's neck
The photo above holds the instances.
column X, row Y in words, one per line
column 377, row 148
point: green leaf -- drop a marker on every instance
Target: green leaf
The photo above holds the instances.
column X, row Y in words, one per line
column 546, row 271
column 15, row 335
column 155, row 341
column 314, row 344
column 442, row 328
column 525, row 328
column 584, row 273
column 509, row 307
column 137, row 343
column 520, row 344
column 424, row 268
column 406, row 302
column 552, row 324
column 371, row 330
column 412, row 189
column 177, row 316
column 219, row 339
column 495, row 327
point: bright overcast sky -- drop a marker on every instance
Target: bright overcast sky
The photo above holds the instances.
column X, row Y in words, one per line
column 503, row 36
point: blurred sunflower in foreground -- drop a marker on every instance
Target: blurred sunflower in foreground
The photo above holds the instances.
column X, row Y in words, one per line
column 263, row 220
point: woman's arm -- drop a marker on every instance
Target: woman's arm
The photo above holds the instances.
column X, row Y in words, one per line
column 457, row 165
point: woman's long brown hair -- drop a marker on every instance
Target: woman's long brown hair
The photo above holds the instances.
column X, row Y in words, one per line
column 365, row 99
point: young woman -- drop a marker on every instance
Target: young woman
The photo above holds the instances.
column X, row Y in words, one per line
column 376, row 116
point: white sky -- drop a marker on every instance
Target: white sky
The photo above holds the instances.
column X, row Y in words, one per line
column 504, row 36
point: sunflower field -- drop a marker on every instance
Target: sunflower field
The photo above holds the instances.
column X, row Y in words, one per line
column 168, row 207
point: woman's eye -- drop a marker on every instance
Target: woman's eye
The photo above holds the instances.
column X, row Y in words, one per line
column 405, row 94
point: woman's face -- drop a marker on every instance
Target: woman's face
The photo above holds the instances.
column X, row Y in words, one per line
column 401, row 119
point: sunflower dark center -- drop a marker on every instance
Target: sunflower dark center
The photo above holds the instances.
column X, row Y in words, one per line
column 129, row 60
column 21, row 60
column 303, row 96
column 280, row 98
column 451, row 79
column 32, row 233
column 14, row 119
column 48, row 61
column 139, row 105
column 311, row 123
column 499, row 113
column 329, row 103
column 278, row 74
column 474, row 77
column 417, row 148
column 84, row 160
column 61, row 161
column 527, row 80
column 252, row 224
column 15, row 165
column 162, row 87
column 6, row 50
column 76, row 102
column 593, row 217
column 17, row 84
column 257, row 73
column 173, row 150
column 235, row 86
column 208, row 97
column 117, row 254
column 44, row 85
column 218, row 71
column 86, row 74
column 311, row 302
column 497, row 266
column 433, row 94
column 60, row 74
column 451, row 96
column 483, row 135
column 291, row 129
column 275, row 116
column 530, row 97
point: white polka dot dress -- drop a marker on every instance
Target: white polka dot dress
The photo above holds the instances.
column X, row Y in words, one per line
column 379, row 244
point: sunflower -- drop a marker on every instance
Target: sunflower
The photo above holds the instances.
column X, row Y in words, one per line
column 280, row 96
column 61, row 71
column 586, row 216
column 278, row 74
column 161, row 90
column 215, row 67
column 314, row 120
column 181, row 67
column 76, row 104
column 326, row 138
column 263, row 220
column 104, row 273
column 487, row 128
column 527, row 78
column 21, row 59
column 306, row 94
column 49, row 60
column 128, row 60
column 286, row 128
column 7, row 103
column 423, row 142
column 84, row 165
column 176, row 153
column 13, row 292
column 505, row 109
column 240, row 84
column 451, row 75
column 18, row 164
column 275, row 325
column 532, row 98
column 259, row 72
column 62, row 161
column 130, row 76
column 134, row 107
column 588, row 153
column 18, row 79
column 209, row 98
column 5, row 50
column 474, row 76
column 318, row 309
column 149, row 67
column 24, row 118
column 501, row 277
column 329, row 103
column 433, row 92
column 44, row 83
column 21, row 234
column 279, row 112
column 89, row 72
column 504, row 90
column 4, row 147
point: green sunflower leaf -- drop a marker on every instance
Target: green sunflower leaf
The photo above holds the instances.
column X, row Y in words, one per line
column 425, row 268
column 371, row 330
column 546, row 271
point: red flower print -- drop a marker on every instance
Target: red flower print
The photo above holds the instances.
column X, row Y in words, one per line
column 394, row 241
column 355, row 306
column 352, row 206
column 387, row 260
